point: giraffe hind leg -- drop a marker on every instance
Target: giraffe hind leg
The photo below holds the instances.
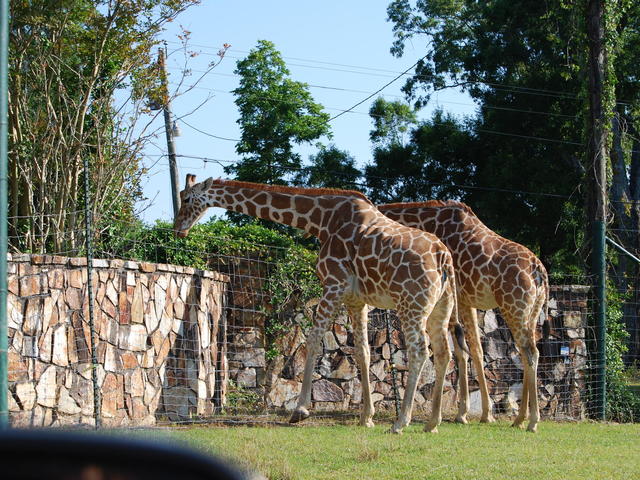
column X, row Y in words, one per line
column 529, row 401
column 472, row 334
column 359, row 319
column 416, row 341
column 437, row 329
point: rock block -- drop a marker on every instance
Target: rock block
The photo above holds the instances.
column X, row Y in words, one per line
column 326, row 391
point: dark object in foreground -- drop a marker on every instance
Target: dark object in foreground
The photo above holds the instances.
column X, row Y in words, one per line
column 59, row 455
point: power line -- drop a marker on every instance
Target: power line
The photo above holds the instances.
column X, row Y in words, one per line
column 438, row 101
column 221, row 162
column 530, row 90
column 182, row 120
column 375, row 93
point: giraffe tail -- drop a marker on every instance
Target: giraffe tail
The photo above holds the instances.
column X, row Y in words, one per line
column 454, row 324
column 541, row 305
column 458, row 334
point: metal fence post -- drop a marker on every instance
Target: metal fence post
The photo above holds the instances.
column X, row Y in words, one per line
column 599, row 268
column 4, row 332
column 392, row 366
column 89, row 254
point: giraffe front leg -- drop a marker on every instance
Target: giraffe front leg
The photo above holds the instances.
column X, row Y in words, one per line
column 322, row 320
column 359, row 320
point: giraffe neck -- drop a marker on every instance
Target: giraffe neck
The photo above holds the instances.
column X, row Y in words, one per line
column 313, row 213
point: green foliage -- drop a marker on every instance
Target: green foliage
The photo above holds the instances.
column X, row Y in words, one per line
column 276, row 113
column 68, row 60
column 527, row 74
column 290, row 277
column 290, row 286
column 241, row 400
column 438, row 157
column 158, row 243
column 330, row 168
column 622, row 404
column 391, row 122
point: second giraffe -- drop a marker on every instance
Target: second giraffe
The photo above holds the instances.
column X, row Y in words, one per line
column 491, row 272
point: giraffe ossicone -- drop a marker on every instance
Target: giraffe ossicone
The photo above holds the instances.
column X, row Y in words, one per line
column 491, row 271
column 365, row 258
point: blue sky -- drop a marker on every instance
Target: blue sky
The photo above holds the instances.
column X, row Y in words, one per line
column 340, row 48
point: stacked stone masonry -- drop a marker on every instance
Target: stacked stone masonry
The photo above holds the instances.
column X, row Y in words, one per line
column 337, row 386
column 157, row 337
column 169, row 338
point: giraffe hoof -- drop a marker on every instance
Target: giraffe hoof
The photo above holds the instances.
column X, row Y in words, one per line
column 487, row 419
column 533, row 428
column 396, row 429
column 462, row 419
column 429, row 429
column 517, row 424
column 299, row 415
column 367, row 423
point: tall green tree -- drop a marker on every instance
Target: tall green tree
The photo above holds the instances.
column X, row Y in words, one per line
column 523, row 63
column 277, row 114
column 414, row 160
column 330, row 168
column 392, row 122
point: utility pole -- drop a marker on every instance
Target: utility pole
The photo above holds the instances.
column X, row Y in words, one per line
column 168, row 127
column 597, row 154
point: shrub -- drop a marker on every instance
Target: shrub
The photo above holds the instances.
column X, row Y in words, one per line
column 290, row 278
column 622, row 404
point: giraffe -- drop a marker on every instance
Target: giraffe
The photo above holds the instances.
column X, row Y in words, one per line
column 491, row 272
column 365, row 259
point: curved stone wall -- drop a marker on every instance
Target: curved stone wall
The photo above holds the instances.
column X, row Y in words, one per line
column 158, row 330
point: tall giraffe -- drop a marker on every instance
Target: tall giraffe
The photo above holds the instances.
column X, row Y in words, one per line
column 491, row 272
column 365, row 258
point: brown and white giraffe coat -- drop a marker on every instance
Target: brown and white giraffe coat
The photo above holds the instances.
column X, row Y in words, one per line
column 491, row 271
column 365, row 258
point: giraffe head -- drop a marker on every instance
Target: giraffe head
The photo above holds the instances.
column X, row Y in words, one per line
column 193, row 204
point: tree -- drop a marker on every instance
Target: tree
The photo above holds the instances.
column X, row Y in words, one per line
column 276, row 114
column 414, row 161
column 391, row 122
column 67, row 61
column 525, row 71
column 330, row 168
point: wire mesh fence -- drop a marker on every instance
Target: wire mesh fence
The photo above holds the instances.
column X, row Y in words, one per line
column 176, row 343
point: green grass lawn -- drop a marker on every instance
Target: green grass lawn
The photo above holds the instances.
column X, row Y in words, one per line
column 558, row 451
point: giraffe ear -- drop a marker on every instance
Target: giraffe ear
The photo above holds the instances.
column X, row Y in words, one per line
column 208, row 182
column 191, row 180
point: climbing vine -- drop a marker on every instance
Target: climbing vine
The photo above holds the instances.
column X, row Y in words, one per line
column 287, row 262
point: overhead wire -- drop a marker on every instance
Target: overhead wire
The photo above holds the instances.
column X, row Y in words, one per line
column 221, row 162
column 546, row 92
column 329, row 87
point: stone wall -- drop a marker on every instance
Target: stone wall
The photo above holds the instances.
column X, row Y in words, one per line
column 337, row 385
column 170, row 338
column 158, row 327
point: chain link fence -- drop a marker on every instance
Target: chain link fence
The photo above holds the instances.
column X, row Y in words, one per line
column 178, row 344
